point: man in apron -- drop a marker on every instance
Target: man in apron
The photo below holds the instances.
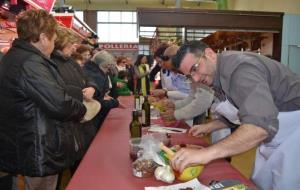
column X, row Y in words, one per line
column 264, row 97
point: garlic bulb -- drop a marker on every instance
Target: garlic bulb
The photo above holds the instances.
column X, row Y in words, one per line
column 165, row 174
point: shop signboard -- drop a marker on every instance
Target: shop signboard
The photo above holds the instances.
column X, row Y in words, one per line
column 119, row 46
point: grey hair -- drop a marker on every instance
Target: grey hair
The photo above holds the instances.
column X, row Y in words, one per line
column 103, row 59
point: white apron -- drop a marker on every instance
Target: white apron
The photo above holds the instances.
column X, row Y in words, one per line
column 227, row 110
column 277, row 164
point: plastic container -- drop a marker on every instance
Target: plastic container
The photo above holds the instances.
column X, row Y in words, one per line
column 143, row 168
column 134, row 148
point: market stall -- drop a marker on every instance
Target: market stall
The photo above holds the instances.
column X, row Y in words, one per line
column 107, row 164
column 8, row 12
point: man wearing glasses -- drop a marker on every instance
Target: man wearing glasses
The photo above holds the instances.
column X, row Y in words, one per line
column 196, row 100
column 259, row 94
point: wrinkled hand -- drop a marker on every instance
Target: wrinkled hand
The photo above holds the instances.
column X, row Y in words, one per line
column 160, row 93
column 88, row 93
column 201, row 130
column 120, row 85
column 186, row 157
column 168, row 104
column 204, row 129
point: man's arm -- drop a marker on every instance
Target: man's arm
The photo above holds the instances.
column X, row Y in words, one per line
column 243, row 139
column 201, row 101
column 204, row 129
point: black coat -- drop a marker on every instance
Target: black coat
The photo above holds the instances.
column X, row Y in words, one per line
column 91, row 69
column 75, row 81
column 33, row 107
column 131, row 78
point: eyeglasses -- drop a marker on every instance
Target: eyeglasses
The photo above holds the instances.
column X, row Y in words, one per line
column 194, row 68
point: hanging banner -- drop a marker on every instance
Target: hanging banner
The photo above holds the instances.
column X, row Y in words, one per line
column 64, row 19
column 69, row 20
column 119, row 46
column 41, row 4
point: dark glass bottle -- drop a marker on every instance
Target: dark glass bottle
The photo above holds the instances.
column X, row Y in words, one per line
column 136, row 100
column 141, row 100
column 146, row 112
column 135, row 125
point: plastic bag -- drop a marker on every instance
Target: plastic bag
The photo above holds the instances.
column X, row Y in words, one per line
column 146, row 164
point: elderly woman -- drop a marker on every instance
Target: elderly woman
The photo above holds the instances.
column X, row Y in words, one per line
column 98, row 68
column 33, row 106
column 77, row 85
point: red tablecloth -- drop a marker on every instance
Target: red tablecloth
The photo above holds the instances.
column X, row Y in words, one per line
column 107, row 164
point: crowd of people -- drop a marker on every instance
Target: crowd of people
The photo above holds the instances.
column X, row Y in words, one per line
column 56, row 93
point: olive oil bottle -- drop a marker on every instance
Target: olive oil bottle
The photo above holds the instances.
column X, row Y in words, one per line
column 146, row 112
column 135, row 125
column 136, row 100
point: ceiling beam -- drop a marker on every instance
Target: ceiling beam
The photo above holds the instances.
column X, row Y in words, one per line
column 217, row 19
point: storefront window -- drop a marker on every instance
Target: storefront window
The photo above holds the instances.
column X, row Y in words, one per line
column 117, row 26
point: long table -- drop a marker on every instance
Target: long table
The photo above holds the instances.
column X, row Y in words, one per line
column 107, row 164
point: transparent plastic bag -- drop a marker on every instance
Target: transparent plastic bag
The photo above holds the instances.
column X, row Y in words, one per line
column 146, row 164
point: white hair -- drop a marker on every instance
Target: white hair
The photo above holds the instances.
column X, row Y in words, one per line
column 103, row 59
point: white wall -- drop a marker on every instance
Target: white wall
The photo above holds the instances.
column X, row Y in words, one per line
column 290, row 53
column 288, row 6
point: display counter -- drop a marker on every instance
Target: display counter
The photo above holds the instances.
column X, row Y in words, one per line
column 107, row 164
